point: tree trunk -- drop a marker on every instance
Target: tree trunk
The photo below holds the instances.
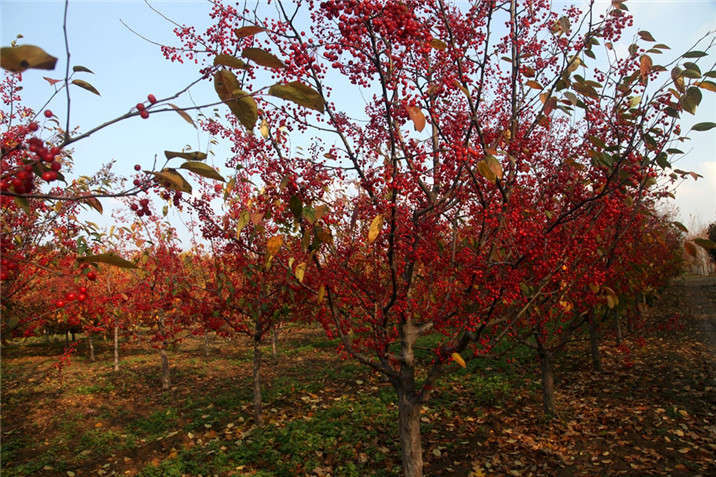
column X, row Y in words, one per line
column 594, row 345
column 274, row 340
column 619, row 330
column 206, row 344
column 165, row 370
column 90, row 343
column 116, row 348
column 411, row 449
column 258, row 417
column 547, row 381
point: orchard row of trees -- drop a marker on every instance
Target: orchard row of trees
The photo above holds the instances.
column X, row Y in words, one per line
column 500, row 183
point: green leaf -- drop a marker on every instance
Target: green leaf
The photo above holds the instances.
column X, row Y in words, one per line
column 78, row 69
column 23, row 203
column 672, row 150
column 296, row 206
column 203, row 170
column 298, row 93
column 231, row 61
column 703, row 126
column 691, row 99
column 263, row 58
column 189, row 156
column 705, row 243
column 108, row 258
column 183, row 114
column 17, row 59
column 85, row 85
column 240, row 103
column 694, row 54
column 171, row 179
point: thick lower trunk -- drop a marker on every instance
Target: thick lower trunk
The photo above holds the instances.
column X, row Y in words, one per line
column 90, row 343
column 165, row 370
column 274, row 340
column 411, row 449
column 619, row 330
column 206, row 344
column 258, row 417
column 116, row 348
column 547, row 382
column 594, row 346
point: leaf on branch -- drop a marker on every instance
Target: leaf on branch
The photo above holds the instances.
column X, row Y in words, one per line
column 458, row 359
column 17, row 59
column 296, row 206
column 690, row 249
column 691, row 99
column 108, row 258
column 533, row 84
column 51, row 81
column 264, row 129
column 300, row 271
column 645, row 64
column 189, row 156
column 94, row 203
column 375, row 227
column 646, row 36
column 171, row 179
column 203, row 170
column 230, row 61
column 417, row 117
column 708, row 85
column 705, row 243
column 85, row 85
column 240, row 103
column 83, row 69
column 321, row 294
column 438, row 44
column 703, row 126
column 183, row 114
column 249, row 30
column 694, row 54
column 273, row 245
column 263, row 58
column 485, row 171
column 494, row 165
column 242, row 222
column 298, row 93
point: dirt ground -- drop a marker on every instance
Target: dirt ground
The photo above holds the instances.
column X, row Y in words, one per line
column 650, row 412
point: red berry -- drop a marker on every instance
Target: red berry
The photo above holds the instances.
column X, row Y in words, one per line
column 137, row 182
column 134, row 207
column 140, row 107
column 46, row 155
column 151, row 98
column 144, row 114
column 91, row 276
column 49, row 176
column 82, row 297
column 83, row 290
column 33, row 127
column 55, row 166
column 59, row 303
column 48, row 113
column 70, row 296
column 218, row 187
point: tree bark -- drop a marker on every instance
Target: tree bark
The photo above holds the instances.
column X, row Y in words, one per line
column 411, row 448
column 206, row 344
column 619, row 330
column 258, row 417
column 90, row 343
column 274, row 340
column 594, row 345
column 165, row 370
column 546, row 359
column 116, row 348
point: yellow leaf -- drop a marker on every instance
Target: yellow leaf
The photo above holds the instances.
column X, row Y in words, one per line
column 458, row 359
column 300, row 271
column 273, row 245
column 264, row 129
column 494, row 166
column 375, row 226
column 533, row 84
column 243, row 220
column 321, row 293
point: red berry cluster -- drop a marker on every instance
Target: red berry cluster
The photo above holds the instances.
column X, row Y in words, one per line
column 33, row 158
column 142, row 109
column 141, row 208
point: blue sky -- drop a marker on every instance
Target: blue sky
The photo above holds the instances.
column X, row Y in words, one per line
column 127, row 68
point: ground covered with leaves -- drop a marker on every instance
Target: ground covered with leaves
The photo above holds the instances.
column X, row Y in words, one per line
column 650, row 412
